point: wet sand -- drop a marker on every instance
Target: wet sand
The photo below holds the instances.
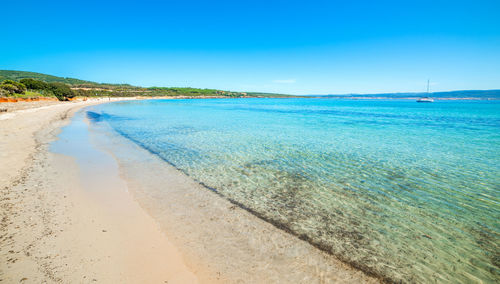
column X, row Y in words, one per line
column 53, row 229
column 130, row 217
column 214, row 234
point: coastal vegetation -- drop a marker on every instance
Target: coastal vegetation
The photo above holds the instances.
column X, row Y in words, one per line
column 11, row 87
column 21, row 84
column 31, row 84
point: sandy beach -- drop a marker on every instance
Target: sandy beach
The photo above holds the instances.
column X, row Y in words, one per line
column 54, row 231
column 67, row 222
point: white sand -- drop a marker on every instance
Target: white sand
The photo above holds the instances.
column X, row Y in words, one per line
column 71, row 222
column 53, row 230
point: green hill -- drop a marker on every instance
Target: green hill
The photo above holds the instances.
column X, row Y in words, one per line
column 18, row 75
column 89, row 88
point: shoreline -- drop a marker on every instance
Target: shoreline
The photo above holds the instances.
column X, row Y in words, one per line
column 209, row 228
column 71, row 240
column 6, row 106
column 54, row 230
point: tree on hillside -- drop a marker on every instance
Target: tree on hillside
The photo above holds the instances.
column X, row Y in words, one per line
column 62, row 91
column 33, row 84
column 13, row 87
column 3, row 92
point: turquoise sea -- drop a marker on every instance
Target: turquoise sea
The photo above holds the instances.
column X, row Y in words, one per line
column 406, row 191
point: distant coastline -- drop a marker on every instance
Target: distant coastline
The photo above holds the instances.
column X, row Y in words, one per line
column 449, row 95
column 405, row 98
column 70, row 88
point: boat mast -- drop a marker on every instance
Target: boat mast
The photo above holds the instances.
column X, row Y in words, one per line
column 427, row 86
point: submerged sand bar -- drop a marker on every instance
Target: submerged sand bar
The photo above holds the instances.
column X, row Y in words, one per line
column 100, row 214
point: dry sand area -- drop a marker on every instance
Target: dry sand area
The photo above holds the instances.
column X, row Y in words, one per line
column 55, row 230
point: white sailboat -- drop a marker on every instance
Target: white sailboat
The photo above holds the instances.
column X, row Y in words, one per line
column 426, row 99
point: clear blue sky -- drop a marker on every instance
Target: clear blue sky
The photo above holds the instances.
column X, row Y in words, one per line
column 306, row 47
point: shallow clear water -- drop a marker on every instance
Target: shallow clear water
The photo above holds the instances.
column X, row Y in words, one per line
column 406, row 191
